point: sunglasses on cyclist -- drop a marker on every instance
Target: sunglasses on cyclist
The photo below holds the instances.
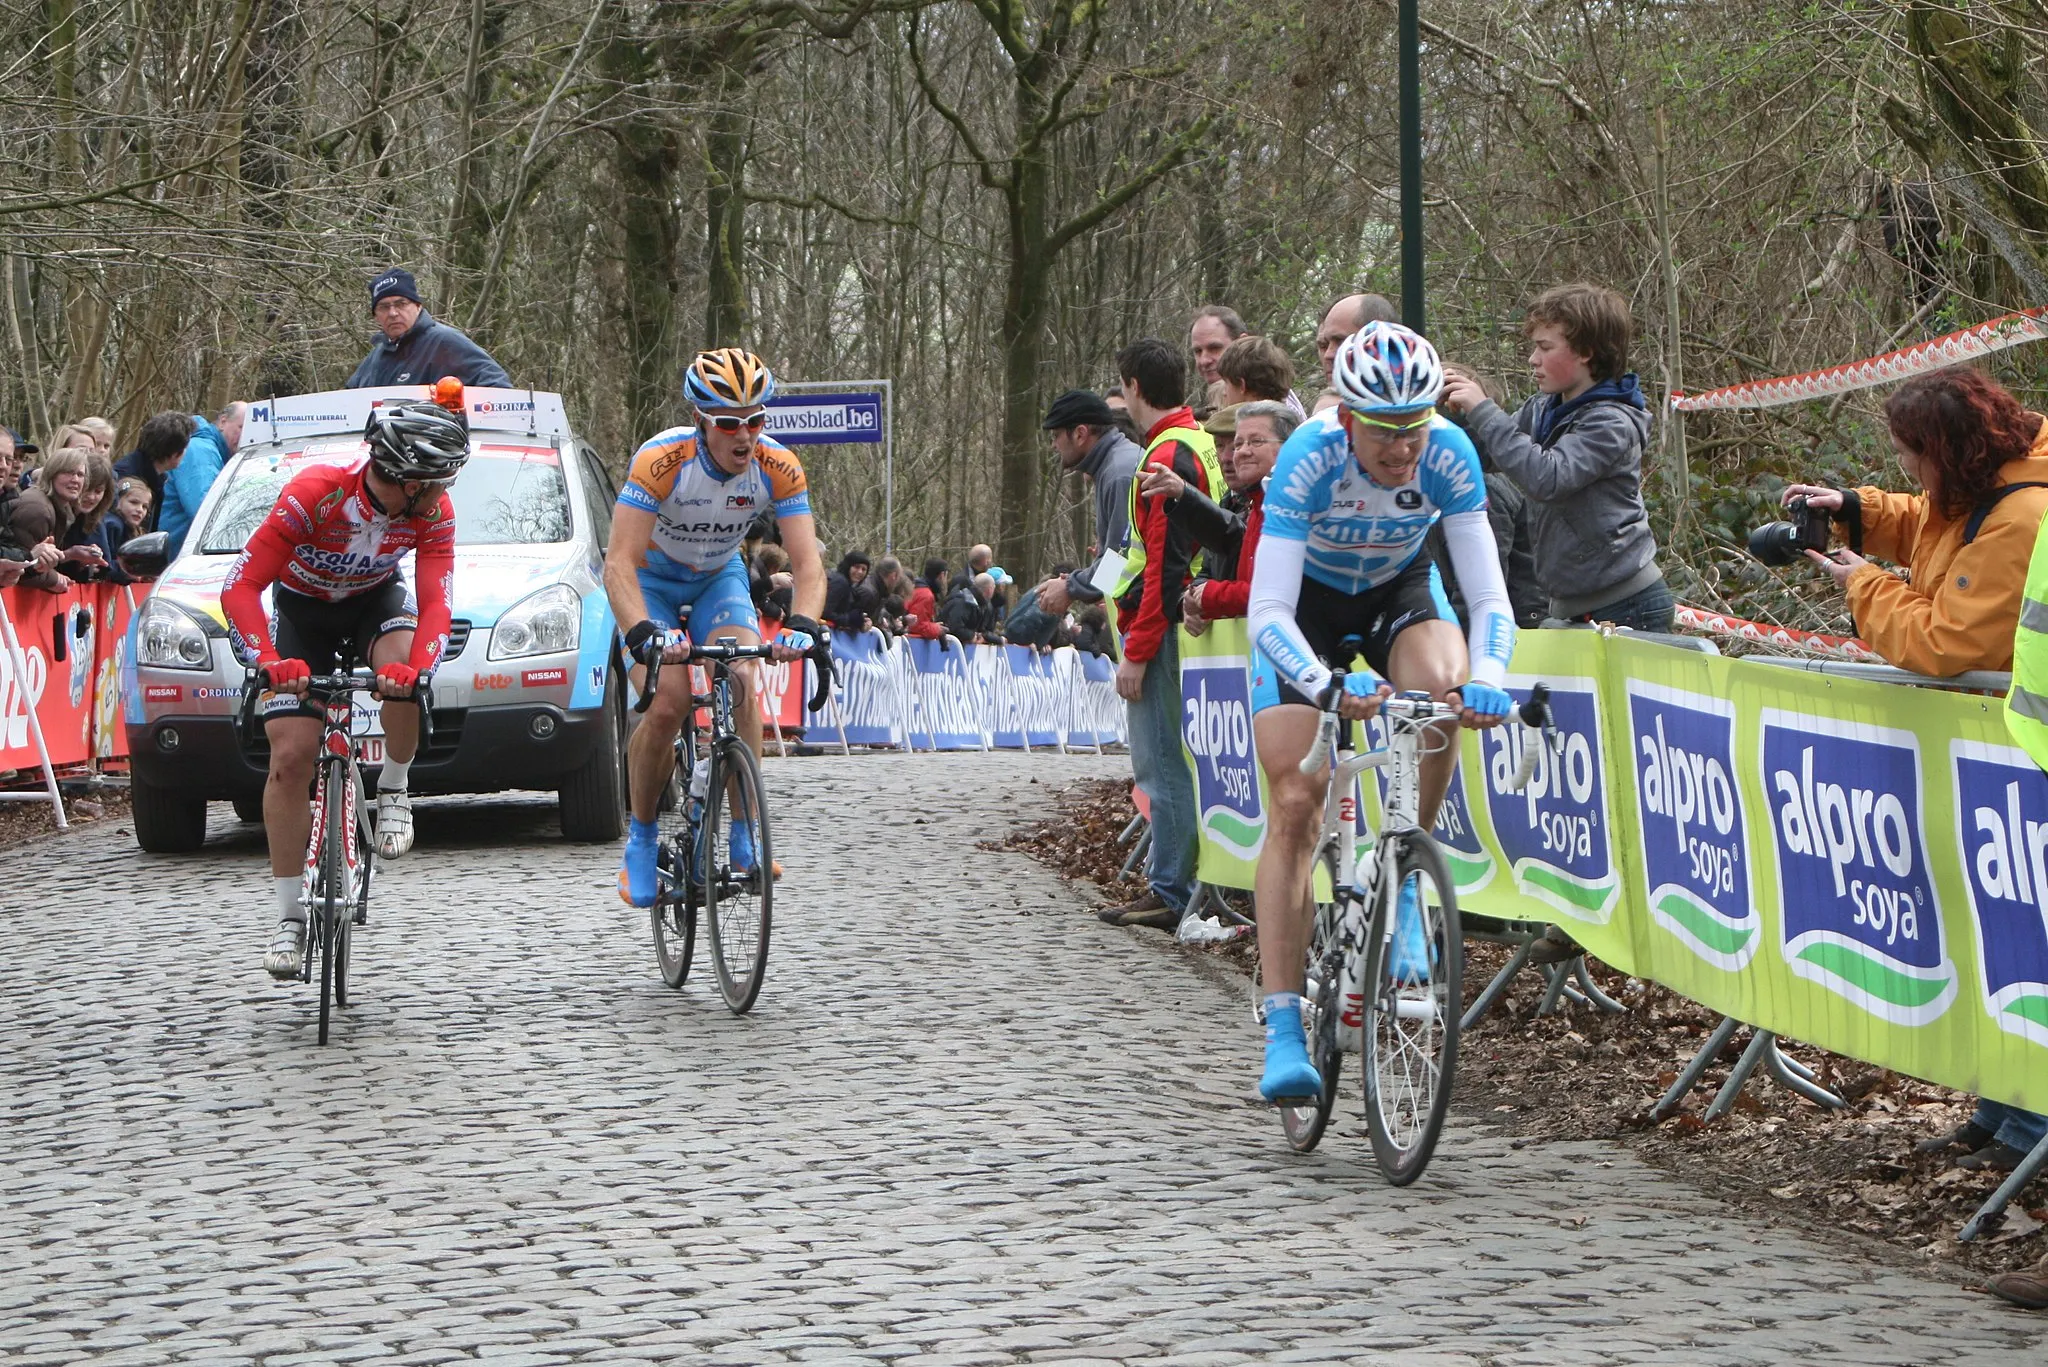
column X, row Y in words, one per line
column 727, row 422
column 1395, row 429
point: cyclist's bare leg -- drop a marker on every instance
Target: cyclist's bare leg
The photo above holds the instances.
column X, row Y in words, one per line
column 401, row 715
column 1429, row 657
column 1294, row 811
column 287, row 813
column 651, row 753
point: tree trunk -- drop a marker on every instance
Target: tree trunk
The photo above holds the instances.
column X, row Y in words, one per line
column 471, row 223
column 646, row 161
column 725, row 208
column 1018, row 538
column 270, row 136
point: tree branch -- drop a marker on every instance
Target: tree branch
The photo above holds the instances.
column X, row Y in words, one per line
column 34, row 206
column 1108, row 204
column 818, row 199
column 990, row 177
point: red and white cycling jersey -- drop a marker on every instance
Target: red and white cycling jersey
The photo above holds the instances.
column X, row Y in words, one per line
column 325, row 538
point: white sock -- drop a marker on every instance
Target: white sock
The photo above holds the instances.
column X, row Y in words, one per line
column 393, row 777
column 288, row 908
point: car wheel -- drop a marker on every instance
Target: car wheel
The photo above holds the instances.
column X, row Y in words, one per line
column 250, row 808
column 166, row 821
column 594, row 797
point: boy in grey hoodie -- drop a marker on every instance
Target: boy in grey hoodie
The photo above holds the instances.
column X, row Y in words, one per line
column 1576, row 450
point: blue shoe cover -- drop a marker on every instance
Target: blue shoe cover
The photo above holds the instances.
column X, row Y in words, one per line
column 1411, row 951
column 1289, row 1075
column 638, row 884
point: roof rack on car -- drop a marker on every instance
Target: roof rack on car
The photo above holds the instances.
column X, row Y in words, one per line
column 529, row 412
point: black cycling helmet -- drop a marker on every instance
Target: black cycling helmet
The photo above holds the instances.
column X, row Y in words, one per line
column 416, row 441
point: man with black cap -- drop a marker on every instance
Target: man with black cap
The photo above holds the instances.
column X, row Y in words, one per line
column 416, row 349
column 1086, row 438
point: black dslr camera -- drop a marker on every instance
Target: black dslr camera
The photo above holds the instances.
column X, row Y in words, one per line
column 1786, row 543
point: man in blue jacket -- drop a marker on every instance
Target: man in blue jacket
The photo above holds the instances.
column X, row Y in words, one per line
column 205, row 455
column 416, row 349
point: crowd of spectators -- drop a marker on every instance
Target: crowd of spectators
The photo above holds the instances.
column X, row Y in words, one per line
column 65, row 513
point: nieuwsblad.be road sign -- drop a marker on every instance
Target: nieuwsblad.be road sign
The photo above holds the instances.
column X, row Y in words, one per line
column 825, row 419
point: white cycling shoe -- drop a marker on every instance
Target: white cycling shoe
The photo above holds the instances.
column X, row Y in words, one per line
column 394, row 824
column 287, row 952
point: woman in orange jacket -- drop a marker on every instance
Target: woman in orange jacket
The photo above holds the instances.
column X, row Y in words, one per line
column 1983, row 461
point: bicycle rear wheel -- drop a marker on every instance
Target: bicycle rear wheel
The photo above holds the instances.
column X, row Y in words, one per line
column 1304, row 1122
column 331, row 912
column 1410, row 1046
column 737, row 903
column 674, row 914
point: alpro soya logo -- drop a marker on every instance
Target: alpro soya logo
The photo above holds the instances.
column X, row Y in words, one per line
column 2002, row 821
column 1457, row 838
column 1857, row 904
column 1554, row 831
column 1216, row 721
column 1695, row 845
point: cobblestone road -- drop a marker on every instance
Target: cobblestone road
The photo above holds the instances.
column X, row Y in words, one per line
column 966, row 1124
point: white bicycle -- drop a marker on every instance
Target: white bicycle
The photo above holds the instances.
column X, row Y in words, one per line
column 1396, row 1004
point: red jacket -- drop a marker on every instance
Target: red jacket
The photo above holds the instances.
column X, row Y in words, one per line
column 1151, row 607
column 1232, row 597
column 925, row 608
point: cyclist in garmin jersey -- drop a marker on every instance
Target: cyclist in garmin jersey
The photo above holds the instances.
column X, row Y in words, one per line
column 332, row 548
column 686, row 506
column 1353, row 495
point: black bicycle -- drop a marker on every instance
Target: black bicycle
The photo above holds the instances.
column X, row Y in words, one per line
column 714, row 806
column 339, row 866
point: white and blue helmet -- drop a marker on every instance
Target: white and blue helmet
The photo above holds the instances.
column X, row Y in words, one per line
column 1386, row 368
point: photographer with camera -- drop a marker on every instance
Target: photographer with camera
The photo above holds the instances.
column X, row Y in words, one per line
column 1983, row 461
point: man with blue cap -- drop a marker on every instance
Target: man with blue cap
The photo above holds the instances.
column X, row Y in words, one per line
column 416, row 348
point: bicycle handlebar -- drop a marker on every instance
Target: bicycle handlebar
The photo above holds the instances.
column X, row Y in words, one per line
column 722, row 651
column 1535, row 714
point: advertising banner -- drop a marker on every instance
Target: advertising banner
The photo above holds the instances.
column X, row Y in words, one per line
column 1097, row 715
column 869, row 695
column 1029, row 700
column 1858, row 865
column 946, row 710
column 58, row 637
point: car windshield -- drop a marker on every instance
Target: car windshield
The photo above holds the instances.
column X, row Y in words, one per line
column 506, row 495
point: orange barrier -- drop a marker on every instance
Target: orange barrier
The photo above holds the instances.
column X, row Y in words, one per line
column 73, row 645
column 1741, row 628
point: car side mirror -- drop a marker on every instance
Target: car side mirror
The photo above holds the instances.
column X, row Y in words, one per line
column 146, row 556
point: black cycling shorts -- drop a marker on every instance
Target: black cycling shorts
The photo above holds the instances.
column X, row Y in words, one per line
column 326, row 635
column 1326, row 616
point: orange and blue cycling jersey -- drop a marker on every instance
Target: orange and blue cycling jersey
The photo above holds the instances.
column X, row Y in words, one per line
column 701, row 514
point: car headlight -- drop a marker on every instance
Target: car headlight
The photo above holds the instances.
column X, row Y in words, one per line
column 544, row 623
column 171, row 636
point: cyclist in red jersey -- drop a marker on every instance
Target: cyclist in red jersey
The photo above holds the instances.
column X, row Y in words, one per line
column 331, row 548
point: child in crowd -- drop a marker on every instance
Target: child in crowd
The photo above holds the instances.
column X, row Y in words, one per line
column 131, row 504
column 1576, row 450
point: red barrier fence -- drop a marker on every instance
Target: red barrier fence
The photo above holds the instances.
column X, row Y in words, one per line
column 69, row 672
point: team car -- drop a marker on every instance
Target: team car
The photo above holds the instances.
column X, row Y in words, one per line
column 529, row 694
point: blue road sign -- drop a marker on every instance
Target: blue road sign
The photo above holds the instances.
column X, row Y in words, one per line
column 825, row 419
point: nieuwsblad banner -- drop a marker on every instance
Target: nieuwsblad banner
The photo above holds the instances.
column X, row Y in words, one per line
column 1858, row 865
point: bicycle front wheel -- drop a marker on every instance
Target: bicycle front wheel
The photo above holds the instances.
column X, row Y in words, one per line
column 739, row 874
column 1414, row 965
column 1304, row 1122
column 332, row 912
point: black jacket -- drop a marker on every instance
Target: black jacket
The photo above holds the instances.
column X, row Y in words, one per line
column 432, row 349
column 847, row 603
column 1507, row 511
column 963, row 613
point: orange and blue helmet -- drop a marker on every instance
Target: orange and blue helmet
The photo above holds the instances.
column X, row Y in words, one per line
column 728, row 378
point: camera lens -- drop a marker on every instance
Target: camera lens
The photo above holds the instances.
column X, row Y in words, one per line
column 1776, row 543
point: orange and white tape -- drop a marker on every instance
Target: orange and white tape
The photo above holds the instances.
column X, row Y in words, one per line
column 1785, row 638
column 2014, row 329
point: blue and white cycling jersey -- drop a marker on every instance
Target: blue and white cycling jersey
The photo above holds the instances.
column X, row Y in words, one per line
column 1328, row 519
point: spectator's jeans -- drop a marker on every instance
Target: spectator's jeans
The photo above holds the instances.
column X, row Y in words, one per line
column 1161, row 769
column 2011, row 1125
column 1028, row 624
column 1650, row 609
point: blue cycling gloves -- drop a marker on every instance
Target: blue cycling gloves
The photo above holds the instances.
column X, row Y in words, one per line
column 1487, row 700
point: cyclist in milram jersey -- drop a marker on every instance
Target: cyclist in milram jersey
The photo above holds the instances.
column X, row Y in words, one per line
column 686, row 506
column 1350, row 501
column 332, row 546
